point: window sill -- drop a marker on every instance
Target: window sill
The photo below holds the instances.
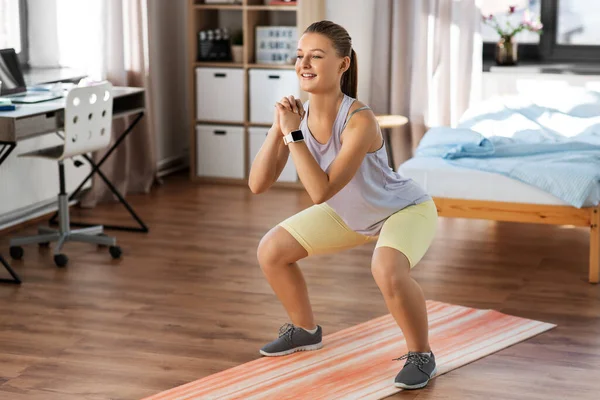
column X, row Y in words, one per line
column 38, row 76
column 541, row 67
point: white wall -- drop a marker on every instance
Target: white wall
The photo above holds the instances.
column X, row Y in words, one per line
column 357, row 17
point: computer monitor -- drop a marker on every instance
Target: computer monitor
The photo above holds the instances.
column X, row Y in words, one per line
column 11, row 74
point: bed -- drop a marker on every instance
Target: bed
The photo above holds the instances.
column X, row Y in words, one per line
column 518, row 160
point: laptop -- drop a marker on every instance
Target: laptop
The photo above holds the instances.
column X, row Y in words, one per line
column 13, row 85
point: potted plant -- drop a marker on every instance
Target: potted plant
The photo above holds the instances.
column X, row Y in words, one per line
column 506, row 48
column 237, row 47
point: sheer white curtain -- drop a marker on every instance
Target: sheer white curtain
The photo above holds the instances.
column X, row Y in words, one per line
column 68, row 33
column 427, row 65
column 10, row 30
column 125, row 62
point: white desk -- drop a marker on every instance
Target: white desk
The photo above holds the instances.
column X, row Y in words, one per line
column 30, row 120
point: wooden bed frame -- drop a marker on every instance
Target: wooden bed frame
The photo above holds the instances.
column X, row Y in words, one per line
column 531, row 213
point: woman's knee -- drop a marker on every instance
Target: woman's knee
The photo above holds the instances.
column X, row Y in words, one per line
column 389, row 270
column 268, row 252
column 278, row 247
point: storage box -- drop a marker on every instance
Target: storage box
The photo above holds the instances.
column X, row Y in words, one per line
column 268, row 86
column 257, row 137
column 220, row 94
column 220, row 151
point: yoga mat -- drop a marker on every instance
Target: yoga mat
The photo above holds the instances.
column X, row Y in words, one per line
column 357, row 362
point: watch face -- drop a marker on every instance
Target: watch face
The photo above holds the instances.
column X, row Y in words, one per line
column 297, row 135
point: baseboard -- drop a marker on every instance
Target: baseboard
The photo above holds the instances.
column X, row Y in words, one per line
column 173, row 164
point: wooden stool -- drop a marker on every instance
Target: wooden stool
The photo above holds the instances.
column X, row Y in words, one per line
column 391, row 121
column 385, row 123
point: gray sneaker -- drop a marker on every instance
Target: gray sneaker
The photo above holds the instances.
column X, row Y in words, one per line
column 292, row 339
column 417, row 371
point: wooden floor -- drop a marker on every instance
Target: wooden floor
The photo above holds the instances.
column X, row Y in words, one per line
column 188, row 300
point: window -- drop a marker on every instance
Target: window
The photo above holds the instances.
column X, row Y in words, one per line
column 578, row 22
column 571, row 29
column 13, row 27
column 489, row 35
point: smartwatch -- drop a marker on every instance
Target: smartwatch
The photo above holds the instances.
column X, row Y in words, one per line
column 293, row 136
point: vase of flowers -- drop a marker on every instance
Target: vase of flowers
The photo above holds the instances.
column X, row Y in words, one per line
column 507, row 46
column 506, row 51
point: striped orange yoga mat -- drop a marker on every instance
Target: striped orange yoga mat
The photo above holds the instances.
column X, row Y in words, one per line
column 356, row 363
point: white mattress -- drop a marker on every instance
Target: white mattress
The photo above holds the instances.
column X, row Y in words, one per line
column 441, row 179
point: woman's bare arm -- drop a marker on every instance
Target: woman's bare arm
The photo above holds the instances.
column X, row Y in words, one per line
column 268, row 163
column 273, row 155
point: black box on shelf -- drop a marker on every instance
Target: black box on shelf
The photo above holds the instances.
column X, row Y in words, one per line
column 214, row 45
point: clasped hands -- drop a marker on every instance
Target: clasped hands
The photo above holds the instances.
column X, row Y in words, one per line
column 289, row 112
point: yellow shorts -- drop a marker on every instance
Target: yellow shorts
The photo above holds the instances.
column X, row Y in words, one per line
column 320, row 230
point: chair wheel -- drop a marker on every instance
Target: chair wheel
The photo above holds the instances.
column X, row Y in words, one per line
column 60, row 260
column 45, row 244
column 16, row 252
column 115, row 251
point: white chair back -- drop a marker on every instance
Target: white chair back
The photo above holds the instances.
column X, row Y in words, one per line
column 88, row 119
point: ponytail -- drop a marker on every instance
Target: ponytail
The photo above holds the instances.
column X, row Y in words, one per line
column 349, row 80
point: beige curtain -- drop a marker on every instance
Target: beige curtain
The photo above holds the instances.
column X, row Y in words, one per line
column 132, row 166
column 426, row 65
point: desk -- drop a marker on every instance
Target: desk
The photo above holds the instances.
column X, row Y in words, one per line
column 31, row 120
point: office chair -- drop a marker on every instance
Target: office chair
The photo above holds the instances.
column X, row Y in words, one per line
column 87, row 128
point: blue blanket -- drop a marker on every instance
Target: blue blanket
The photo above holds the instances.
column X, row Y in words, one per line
column 566, row 166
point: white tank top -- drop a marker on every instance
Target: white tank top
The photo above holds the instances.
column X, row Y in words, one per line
column 375, row 192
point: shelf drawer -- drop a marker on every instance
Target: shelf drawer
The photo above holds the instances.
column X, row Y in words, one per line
column 220, row 151
column 268, row 86
column 220, row 94
column 257, row 137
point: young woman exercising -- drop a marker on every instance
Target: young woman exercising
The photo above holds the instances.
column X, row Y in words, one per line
column 340, row 156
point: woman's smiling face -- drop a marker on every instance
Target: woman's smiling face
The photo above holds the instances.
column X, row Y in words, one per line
column 318, row 66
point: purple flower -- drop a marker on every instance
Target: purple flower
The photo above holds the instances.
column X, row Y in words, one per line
column 511, row 9
column 536, row 26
